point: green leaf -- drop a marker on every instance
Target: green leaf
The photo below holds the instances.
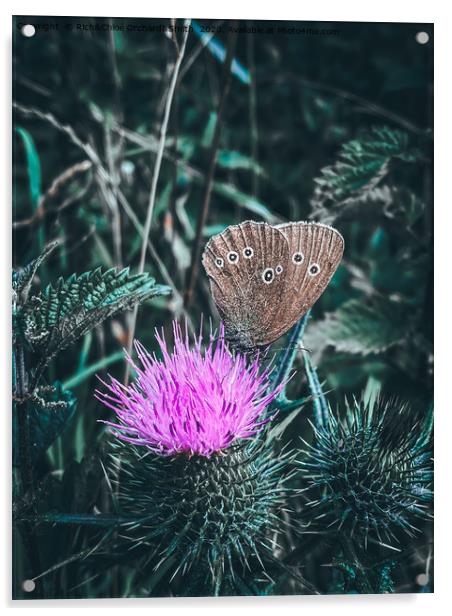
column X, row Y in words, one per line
column 206, row 140
column 362, row 328
column 34, row 178
column 92, row 369
column 245, row 201
column 230, row 159
column 49, row 413
column 56, row 317
column 218, row 51
column 163, row 201
column 361, row 165
column 210, row 230
column 33, row 166
column 22, row 279
column 279, row 428
column 284, row 406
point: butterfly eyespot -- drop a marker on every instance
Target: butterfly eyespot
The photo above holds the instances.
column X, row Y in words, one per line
column 279, row 269
column 219, row 262
column 314, row 269
column 248, row 252
column 232, row 256
column 268, row 275
column 298, row 258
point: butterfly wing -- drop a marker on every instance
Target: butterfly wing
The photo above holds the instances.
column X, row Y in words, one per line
column 315, row 251
column 246, row 284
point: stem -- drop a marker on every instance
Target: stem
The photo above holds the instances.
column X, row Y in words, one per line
column 254, row 135
column 112, row 194
column 289, row 353
column 26, row 468
column 25, row 460
column 351, row 555
column 191, row 279
column 321, row 411
column 155, row 178
column 159, row 263
column 83, row 519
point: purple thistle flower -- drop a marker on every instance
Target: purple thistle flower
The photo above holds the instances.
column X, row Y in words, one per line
column 192, row 401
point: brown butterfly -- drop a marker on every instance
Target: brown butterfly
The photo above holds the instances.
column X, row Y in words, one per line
column 264, row 278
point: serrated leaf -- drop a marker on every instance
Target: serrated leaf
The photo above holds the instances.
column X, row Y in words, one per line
column 56, row 317
column 361, row 164
column 362, row 328
column 22, row 279
column 46, row 422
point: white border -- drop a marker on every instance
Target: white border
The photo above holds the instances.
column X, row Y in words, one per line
column 327, row 10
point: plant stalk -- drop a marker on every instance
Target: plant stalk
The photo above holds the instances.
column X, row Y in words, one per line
column 351, row 555
column 202, row 218
column 25, row 461
column 155, row 178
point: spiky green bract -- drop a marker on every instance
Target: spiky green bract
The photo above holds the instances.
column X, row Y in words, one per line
column 215, row 515
column 369, row 472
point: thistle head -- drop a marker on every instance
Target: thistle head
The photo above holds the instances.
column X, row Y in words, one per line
column 369, row 472
column 194, row 401
column 216, row 506
column 207, row 518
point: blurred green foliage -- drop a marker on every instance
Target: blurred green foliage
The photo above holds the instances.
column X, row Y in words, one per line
column 335, row 128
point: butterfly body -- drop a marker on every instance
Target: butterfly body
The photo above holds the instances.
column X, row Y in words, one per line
column 264, row 278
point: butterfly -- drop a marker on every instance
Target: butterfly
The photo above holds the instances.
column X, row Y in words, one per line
column 264, row 278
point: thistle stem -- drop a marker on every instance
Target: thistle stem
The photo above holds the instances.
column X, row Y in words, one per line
column 320, row 402
column 287, row 357
column 350, row 554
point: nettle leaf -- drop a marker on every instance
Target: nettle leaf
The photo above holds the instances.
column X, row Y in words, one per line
column 56, row 317
column 49, row 411
column 361, row 328
column 22, row 279
column 362, row 163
